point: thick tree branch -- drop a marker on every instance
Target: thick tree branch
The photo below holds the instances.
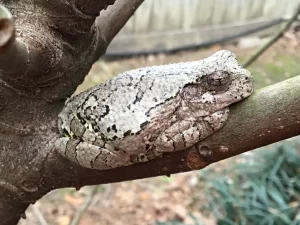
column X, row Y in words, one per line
column 115, row 17
column 44, row 58
column 13, row 53
column 93, row 7
column 269, row 115
column 62, row 43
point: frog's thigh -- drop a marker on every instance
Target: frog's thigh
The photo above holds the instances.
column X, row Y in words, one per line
column 186, row 133
column 180, row 135
column 92, row 156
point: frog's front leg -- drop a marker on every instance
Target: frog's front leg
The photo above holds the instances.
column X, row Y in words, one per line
column 91, row 156
column 185, row 133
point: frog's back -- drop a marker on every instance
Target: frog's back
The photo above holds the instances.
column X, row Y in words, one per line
column 126, row 101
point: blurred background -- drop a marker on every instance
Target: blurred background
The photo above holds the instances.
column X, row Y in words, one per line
column 259, row 187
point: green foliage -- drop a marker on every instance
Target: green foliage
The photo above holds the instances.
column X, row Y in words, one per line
column 264, row 190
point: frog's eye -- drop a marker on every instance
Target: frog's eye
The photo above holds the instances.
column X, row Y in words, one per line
column 191, row 91
column 217, row 80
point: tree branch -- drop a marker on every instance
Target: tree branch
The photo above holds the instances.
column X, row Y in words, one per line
column 111, row 21
column 38, row 60
column 83, row 208
column 93, row 7
column 56, row 34
column 13, row 53
column 269, row 115
column 39, row 215
column 261, row 50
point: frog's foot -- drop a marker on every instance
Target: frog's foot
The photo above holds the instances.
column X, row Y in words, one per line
column 92, row 156
column 185, row 133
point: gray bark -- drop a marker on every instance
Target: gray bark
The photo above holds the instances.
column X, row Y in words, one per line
column 62, row 42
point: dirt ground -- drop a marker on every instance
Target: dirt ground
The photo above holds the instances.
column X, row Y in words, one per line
column 148, row 201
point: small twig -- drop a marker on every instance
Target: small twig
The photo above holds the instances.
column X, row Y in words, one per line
column 114, row 18
column 39, row 215
column 109, row 191
column 273, row 40
column 93, row 6
column 82, row 209
column 102, row 200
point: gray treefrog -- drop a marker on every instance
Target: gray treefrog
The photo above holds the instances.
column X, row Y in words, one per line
column 141, row 114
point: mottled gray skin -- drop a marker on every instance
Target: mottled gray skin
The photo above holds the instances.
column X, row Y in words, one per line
column 140, row 114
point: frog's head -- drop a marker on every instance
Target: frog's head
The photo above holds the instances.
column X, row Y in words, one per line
column 222, row 81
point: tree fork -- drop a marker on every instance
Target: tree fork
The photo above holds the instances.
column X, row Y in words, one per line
column 62, row 41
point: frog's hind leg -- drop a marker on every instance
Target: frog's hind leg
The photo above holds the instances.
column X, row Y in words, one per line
column 91, row 156
column 185, row 133
column 179, row 136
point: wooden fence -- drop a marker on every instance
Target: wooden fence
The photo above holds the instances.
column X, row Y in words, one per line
column 173, row 24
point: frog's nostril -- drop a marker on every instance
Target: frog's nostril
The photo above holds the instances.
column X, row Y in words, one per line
column 248, row 79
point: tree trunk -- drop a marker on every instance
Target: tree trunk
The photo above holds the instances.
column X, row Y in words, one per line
column 57, row 43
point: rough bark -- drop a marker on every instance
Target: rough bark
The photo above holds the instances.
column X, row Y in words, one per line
column 62, row 41
column 59, row 41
